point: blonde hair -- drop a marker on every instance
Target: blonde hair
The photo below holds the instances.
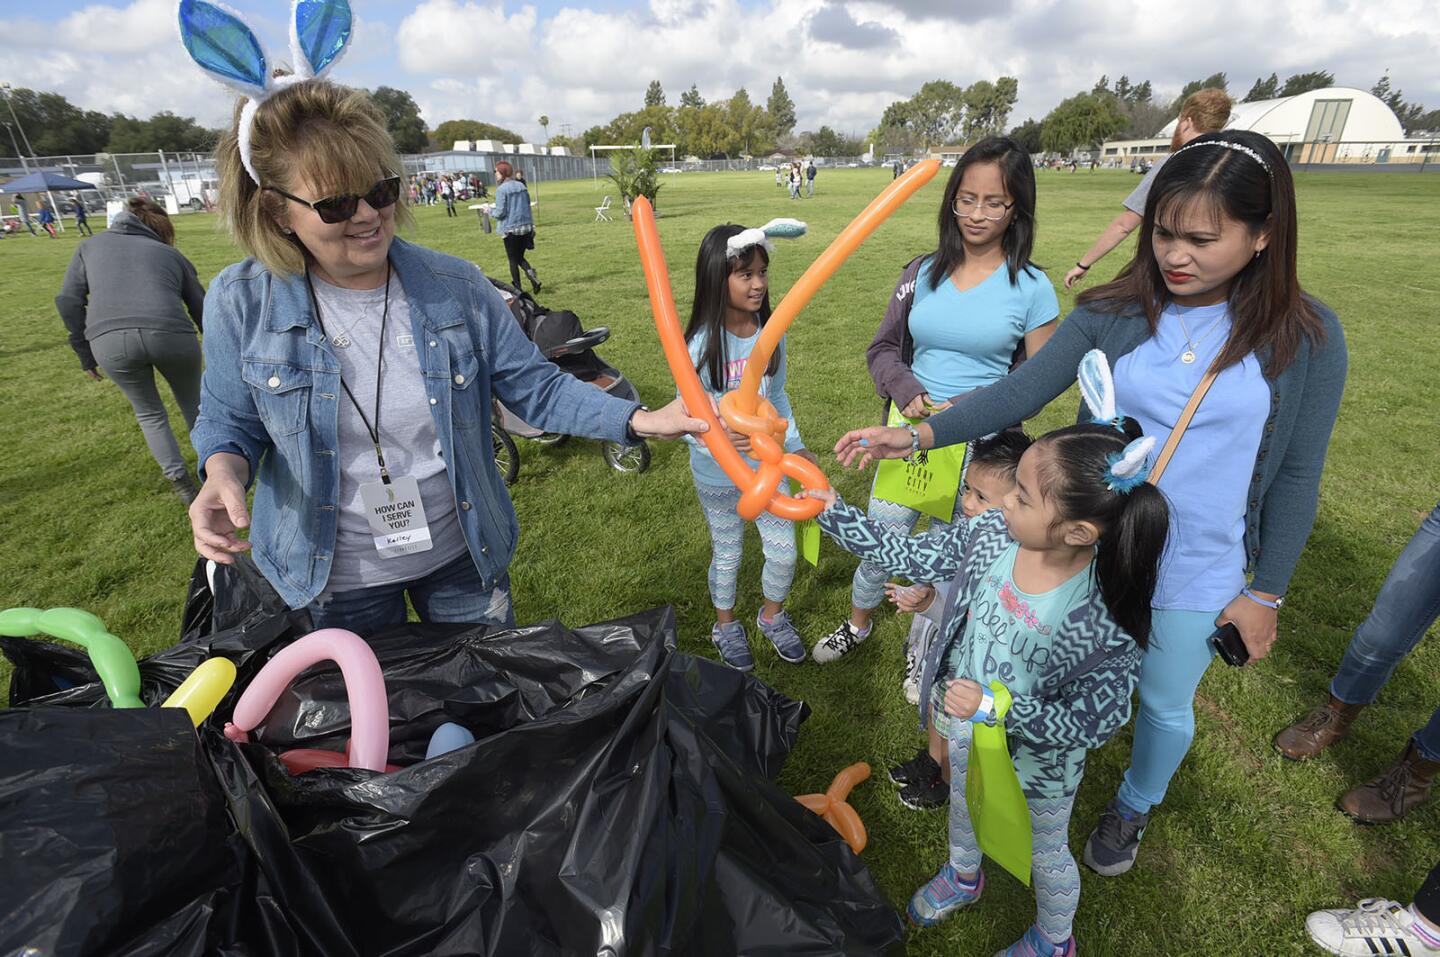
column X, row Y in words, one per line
column 1207, row 110
column 154, row 216
column 332, row 136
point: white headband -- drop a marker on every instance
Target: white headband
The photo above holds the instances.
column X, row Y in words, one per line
column 223, row 45
column 761, row 236
column 1237, row 147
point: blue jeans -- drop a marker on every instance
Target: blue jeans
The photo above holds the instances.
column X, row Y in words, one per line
column 1406, row 607
column 453, row 593
column 1165, row 721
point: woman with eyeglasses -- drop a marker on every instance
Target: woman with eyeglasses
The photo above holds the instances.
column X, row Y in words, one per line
column 349, row 377
column 955, row 323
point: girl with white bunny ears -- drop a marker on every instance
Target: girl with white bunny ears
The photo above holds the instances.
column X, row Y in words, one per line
column 344, row 365
column 1051, row 598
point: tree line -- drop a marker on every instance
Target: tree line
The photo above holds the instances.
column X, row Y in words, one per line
column 940, row 112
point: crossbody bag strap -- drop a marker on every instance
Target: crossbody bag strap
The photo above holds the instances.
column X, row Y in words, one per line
column 1181, row 424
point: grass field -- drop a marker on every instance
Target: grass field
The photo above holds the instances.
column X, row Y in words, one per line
column 1245, row 845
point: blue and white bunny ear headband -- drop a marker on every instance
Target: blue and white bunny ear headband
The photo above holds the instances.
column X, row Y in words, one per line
column 223, row 45
column 761, row 236
column 1128, row 468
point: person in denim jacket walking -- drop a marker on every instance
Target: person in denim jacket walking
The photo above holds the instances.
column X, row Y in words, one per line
column 350, row 375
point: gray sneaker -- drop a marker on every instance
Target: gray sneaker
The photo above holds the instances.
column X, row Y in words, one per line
column 1113, row 844
column 729, row 637
column 839, row 642
column 783, row 636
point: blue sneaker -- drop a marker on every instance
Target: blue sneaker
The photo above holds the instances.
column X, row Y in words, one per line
column 729, row 637
column 943, row 895
column 782, row 634
column 1036, row 944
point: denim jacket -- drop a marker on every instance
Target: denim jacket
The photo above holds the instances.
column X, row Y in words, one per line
column 271, row 393
column 512, row 207
column 1083, row 695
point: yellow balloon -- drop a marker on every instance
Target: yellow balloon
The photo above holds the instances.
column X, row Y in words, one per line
column 203, row 689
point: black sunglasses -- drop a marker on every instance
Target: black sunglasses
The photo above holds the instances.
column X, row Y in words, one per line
column 337, row 209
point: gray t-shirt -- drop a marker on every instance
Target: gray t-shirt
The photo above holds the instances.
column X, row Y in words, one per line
column 1135, row 202
column 407, row 435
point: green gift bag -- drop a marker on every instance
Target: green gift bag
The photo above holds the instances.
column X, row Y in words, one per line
column 998, row 812
column 927, row 481
column 807, row 533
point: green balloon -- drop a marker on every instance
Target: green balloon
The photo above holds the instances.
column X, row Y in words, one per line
column 112, row 660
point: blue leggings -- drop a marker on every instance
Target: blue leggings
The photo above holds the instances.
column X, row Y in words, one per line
column 1165, row 723
column 1053, row 873
column 727, row 537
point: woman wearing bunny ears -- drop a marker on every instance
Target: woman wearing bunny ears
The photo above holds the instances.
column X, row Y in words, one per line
column 1208, row 317
column 349, row 374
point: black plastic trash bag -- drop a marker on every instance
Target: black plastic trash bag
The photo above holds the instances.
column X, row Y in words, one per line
column 618, row 801
column 114, row 839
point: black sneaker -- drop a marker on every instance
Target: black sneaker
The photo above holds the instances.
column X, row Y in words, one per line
column 1115, row 842
column 918, row 770
column 925, row 795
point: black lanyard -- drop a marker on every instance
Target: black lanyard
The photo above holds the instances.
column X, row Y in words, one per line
column 379, row 368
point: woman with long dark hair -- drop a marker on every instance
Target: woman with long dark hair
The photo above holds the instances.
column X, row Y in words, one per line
column 1212, row 290
column 954, row 324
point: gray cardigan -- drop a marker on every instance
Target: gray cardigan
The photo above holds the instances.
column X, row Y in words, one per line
column 1285, row 487
column 127, row 278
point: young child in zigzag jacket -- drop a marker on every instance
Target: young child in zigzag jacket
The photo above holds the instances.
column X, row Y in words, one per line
column 1052, row 598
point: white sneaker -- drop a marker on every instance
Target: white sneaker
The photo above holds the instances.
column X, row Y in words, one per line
column 911, row 683
column 838, row 643
column 1377, row 926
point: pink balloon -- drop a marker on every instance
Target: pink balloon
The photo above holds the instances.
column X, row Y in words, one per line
column 364, row 686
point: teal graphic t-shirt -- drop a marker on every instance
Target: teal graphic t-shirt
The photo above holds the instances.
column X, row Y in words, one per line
column 1008, row 638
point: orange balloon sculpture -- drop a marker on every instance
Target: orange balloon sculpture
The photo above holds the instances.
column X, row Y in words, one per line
column 743, row 409
column 833, row 807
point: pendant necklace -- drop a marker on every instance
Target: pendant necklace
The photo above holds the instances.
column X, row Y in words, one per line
column 1193, row 345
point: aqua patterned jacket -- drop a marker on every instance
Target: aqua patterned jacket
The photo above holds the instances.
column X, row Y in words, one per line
column 1083, row 696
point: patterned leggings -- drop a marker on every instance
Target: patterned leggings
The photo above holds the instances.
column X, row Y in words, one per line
column 727, row 535
column 1053, row 874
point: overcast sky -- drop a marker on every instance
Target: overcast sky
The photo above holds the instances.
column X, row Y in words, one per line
column 843, row 60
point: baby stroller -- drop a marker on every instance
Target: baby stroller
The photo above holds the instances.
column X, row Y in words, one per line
column 562, row 339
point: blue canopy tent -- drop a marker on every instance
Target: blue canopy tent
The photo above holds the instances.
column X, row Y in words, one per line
column 45, row 181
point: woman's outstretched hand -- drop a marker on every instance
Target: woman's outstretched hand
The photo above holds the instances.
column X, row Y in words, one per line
column 856, row 449
column 667, row 422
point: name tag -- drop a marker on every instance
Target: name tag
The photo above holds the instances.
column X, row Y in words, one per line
column 396, row 516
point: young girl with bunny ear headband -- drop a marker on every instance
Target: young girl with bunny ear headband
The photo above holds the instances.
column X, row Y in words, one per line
column 1051, row 599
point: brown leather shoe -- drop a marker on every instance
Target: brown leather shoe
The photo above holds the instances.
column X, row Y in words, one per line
column 1322, row 727
column 1394, row 792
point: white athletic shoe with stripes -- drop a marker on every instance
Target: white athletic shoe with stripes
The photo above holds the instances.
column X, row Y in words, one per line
column 1376, row 927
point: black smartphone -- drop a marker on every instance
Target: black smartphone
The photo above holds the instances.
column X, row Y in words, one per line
column 1229, row 645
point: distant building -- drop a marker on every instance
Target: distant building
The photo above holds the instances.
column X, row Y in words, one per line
column 1335, row 125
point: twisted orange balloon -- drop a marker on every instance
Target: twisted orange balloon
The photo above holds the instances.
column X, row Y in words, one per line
column 744, row 410
column 836, row 810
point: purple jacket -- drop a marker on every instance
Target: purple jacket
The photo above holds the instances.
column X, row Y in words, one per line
column 892, row 350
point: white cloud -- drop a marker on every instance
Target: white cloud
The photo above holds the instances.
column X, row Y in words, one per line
column 506, row 63
column 143, row 25
column 448, row 37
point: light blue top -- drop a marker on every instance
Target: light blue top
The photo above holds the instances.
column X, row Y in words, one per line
column 966, row 340
column 1209, row 478
column 512, row 207
column 737, row 353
